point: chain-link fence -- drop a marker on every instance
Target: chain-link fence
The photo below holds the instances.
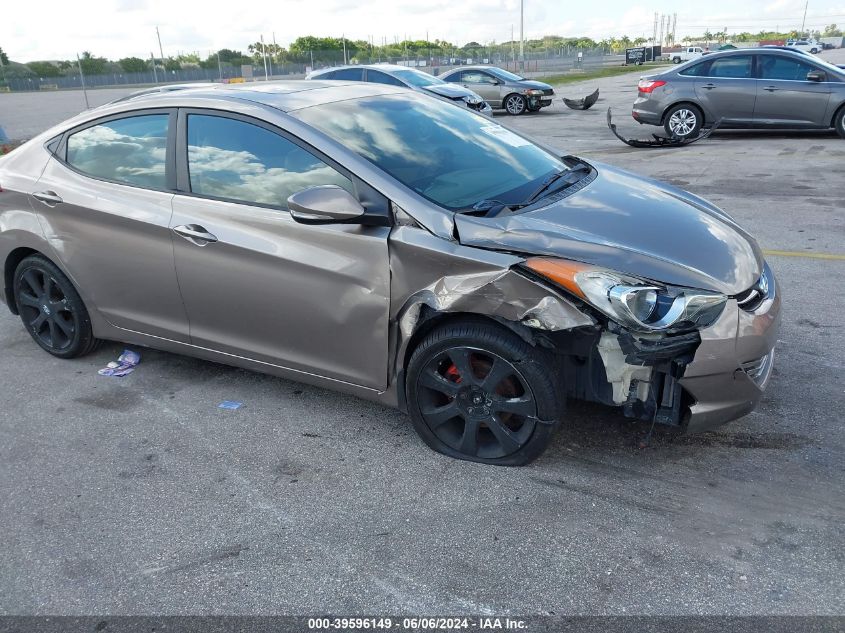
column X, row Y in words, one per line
column 537, row 62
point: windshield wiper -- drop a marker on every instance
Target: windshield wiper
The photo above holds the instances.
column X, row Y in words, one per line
column 579, row 168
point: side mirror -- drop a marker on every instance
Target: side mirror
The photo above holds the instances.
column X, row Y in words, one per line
column 325, row 204
column 816, row 75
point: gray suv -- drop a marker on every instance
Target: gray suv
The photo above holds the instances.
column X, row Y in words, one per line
column 744, row 89
column 503, row 89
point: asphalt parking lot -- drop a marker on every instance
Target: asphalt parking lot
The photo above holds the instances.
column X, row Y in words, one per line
column 139, row 496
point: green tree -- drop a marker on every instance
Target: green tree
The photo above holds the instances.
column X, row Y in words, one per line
column 4, row 58
column 134, row 65
column 44, row 69
column 93, row 65
column 831, row 30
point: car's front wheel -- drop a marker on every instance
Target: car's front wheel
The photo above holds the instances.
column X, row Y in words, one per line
column 683, row 121
column 478, row 392
column 51, row 309
column 516, row 104
column 839, row 122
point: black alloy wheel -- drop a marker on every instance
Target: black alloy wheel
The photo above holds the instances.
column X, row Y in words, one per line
column 478, row 392
column 51, row 309
column 477, row 403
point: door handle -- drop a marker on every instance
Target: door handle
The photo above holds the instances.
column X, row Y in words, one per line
column 708, row 86
column 50, row 198
column 195, row 234
column 770, row 88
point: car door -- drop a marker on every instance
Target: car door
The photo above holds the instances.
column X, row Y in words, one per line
column 105, row 202
column 483, row 84
column 784, row 95
column 259, row 285
column 728, row 90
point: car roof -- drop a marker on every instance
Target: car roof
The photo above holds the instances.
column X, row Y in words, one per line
column 282, row 95
column 385, row 67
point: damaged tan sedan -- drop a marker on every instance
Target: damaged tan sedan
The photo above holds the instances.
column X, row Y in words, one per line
column 386, row 244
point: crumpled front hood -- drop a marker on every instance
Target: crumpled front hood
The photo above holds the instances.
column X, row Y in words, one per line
column 450, row 90
column 632, row 225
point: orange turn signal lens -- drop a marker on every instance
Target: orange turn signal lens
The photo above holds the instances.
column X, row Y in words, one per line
column 560, row 271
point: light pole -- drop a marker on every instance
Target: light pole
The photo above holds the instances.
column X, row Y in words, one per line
column 521, row 35
column 804, row 21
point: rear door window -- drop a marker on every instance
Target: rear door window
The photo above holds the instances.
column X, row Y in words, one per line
column 734, row 67
column 131, row 150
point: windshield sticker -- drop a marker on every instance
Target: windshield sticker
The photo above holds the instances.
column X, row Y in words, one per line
column 505, row 135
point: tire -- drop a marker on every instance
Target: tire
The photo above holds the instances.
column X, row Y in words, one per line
column 515, row 104
column 51, row 309
column 478, row 392
column 676, row 60
column 839, row 121
column 683, row 121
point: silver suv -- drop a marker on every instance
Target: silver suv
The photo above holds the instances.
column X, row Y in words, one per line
column 744, row 89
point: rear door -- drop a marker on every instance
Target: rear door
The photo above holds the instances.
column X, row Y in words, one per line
column 728, row 90
column 785, row 97
column 262, row 286
column 105, row 202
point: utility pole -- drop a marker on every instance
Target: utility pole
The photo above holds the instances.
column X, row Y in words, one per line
column 82, row 80
column 219, row 67
column 804, row 21
column 522, row 35
column 275, row 51
column 155, row 72
column 160, row 49
column 513, row 49
column 343, row 37
column 654, row 35
column 264, row 55
column 674, row 27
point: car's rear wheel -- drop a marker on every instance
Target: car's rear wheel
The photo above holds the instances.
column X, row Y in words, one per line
column 683, row 121
column 839, row 122
column 515, row 104
column 478, row 392
column 676, row 60
column 51, row 309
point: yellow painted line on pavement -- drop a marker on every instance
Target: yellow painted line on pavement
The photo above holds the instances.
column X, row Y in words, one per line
column 808, row 255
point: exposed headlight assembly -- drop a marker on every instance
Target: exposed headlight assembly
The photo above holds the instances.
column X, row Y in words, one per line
column 532, row 92
column 632, row 302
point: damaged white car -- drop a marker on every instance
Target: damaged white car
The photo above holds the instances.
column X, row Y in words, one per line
column 383, row 243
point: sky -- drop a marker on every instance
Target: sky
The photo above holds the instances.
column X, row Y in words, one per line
column 33, row 30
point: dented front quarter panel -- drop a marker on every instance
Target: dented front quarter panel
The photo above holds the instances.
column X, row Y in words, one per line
column 449, row 278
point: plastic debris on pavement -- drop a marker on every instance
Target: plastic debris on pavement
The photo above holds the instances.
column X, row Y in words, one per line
column 230, row 404
column 125, row 364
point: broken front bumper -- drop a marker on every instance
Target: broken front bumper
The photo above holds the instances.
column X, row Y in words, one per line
column 733, row 363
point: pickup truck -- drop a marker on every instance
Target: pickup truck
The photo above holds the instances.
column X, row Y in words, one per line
column 685, row 54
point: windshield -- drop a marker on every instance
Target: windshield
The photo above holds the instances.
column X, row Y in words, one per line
column 504, row 74
column 449, row 155
column 417, row 78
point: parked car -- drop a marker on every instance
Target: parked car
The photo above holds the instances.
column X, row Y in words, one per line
column 684, row 55
column 407, row 78
column 381, row 242
column 503, row 89
column 748, row 88
column 804, row 45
